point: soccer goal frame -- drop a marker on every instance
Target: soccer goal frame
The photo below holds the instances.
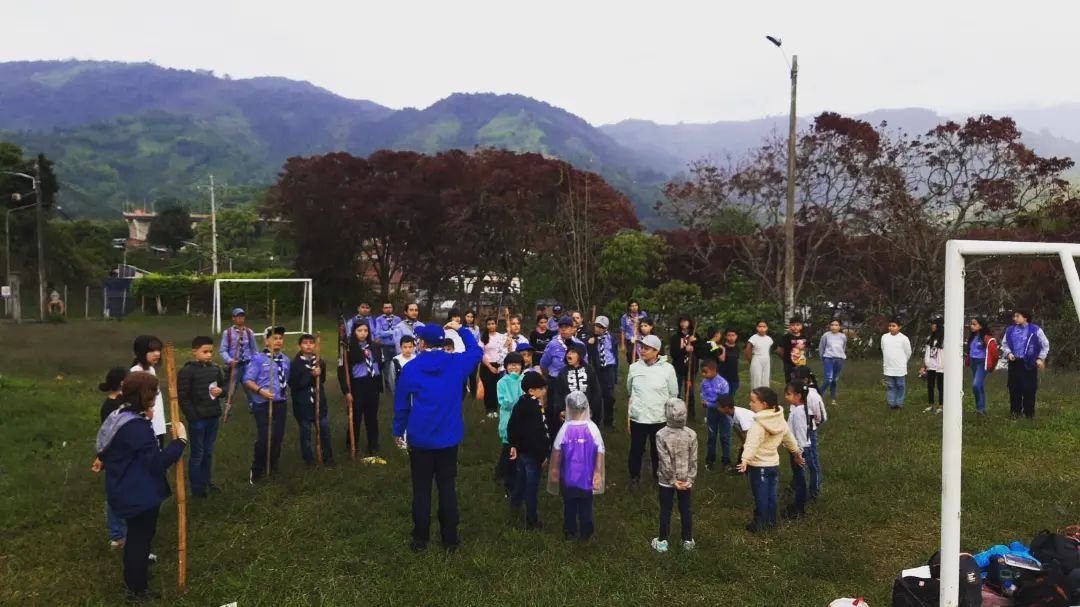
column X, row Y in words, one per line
column 306, row 314
column 953, row 416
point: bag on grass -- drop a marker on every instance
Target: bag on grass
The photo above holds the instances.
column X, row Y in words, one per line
column 1056, row 551
column 1044, row 589
column 912, row 591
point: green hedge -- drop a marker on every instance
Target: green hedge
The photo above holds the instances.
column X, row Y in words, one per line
column 175, row 289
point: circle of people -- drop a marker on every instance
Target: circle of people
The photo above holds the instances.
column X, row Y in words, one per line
column 550, row 392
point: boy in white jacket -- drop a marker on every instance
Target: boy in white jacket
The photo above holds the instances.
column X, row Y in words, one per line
column 895, row 353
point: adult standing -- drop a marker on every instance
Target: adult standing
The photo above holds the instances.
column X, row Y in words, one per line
column 383, row 333
column 833, row 352
column 629, row 325
column 237, row 346
column 542, row 334
column 514, row 337
column 895, row 353
column 1026, row 348
column 681, row 349
column 363, row 314
column 602, row 351
column 427, row 405
column 651, row 382
column 580, row 330
column 407, row 326
column 491, row 365
column 982, row 357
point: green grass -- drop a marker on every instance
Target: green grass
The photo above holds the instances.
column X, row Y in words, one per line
column 338, row 536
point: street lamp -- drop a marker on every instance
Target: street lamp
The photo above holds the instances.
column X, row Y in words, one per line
column 36, row 181
column 789, row 222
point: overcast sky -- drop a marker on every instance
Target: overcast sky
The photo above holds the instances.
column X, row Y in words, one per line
column 605, row 60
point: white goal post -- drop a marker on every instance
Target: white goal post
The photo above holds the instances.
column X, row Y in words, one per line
column 953, row 416
column 305, row 306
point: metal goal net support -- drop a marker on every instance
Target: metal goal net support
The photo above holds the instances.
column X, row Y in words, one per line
column 292, row 324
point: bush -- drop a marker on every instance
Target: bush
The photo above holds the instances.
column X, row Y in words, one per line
column 175, row 289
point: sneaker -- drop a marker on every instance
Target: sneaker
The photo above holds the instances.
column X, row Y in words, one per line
column 152, row 558
column 928, row 409
column 117, row 544
column 378, row 460
column 146, row 596
column 753, row 528
column 367, row 460
column 417, row 546
column 794, row 512
column 493, row 415
column 251, row 476
column 983, row 412
column 533, row 526
column 834, row 403
column 658, row 546
column 213, row 488
column 709, row 466
column 689, row 545
column 937, row 411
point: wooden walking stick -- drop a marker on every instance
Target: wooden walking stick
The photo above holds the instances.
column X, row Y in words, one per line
column 343, row 349
column 633, row 352
column 318, row 397
column 181, row 486
column 270, row 417
column 232, row 378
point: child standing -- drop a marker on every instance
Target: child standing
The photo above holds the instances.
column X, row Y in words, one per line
column 833, row 352
column 147, row 349
column 794, row 348
column 366, row 386
column 528, row 356
column 576, row 376
column 895, row 352
column 816, row 414
column 408, row 352
column 529, row 446
column 798, row 422
column 933, row 369
column 982, row 356
column 729, row 360
column 267, row 380
column 758, row 350
column 719, row 425
column 114, row 382
column 603, row 354
column 509, row 393
column 576, row 471
column 678, row 447
column 199, row 389
column 760, row 460
column 305, row 373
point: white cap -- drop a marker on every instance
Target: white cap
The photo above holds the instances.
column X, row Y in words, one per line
column 602, row 321
column 651, row 341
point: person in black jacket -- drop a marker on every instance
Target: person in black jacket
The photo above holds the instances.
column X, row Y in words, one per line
column 577, row 376
column 682, row 353
column 135, row 474
column 305, row 370
column 199, row 386
column 529, row 446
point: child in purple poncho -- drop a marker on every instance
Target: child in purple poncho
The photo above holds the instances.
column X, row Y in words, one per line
column 576, row 470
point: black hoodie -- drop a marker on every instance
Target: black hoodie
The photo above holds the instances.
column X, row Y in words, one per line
column 527, row 431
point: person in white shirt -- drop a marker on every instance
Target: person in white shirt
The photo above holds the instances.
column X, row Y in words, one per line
column 799, row 425
column 147, row 349
column 758, row 350
column 742, row 419
column 895, row 353
column 494, row 344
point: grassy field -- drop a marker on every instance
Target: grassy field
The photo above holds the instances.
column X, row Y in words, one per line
column 338, row 536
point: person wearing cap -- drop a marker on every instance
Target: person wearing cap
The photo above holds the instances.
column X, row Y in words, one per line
column 605, row 359
column 650, row 382
column 237, row 347
column 528, row 359
column 407, row 326
column 428, row 406
column 267, row 381
column 383, row 331
column 554, row 358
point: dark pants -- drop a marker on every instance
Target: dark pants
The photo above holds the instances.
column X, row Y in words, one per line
column 365, row 409
column 1023, row 383
column 733, row 385
column 506, row 469
column 306, row 450
column 687, row 398
column 276, row 434
column 473, row 379
column 629, row 350
column 491, row 389
column 935, row 379
column 719, row 426
column 140, row 533
column 440, row 465
column 639, row 433
column 789, row 369
column 527, row 487
column 667, row 500
column 387, row 368
column 764, row 484
column 577, row 516
column 202, row 435
column 813, row 466
column 552, row 410
column 608, row 377
column 798, row 486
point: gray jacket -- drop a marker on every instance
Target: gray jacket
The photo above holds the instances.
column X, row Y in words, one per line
column 677, row 446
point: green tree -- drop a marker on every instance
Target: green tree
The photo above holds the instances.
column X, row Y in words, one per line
column 630, row 259
column 171, row 228
column 236, row 231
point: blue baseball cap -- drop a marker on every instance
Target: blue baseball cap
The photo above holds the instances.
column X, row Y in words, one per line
column 433, row 335
column 566, row 321
column 238, row 312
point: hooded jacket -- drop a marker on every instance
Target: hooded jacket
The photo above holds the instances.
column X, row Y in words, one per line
column 765, row 437
column 571, row 379
column 677, row 446
column 427, row 401
column 527, row 431
column 193, row 390
column 134, row 465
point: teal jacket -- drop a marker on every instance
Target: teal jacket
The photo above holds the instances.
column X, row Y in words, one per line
column 509, row 391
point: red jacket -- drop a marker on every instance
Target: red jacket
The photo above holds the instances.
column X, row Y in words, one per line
column 991, row 360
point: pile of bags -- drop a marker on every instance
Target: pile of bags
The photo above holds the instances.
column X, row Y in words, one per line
column 1044, row 574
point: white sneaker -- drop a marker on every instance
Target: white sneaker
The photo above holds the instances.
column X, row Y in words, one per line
column 659, row 546
column 689, row 545
column 937, row 411
column 928, row 409
column 152, row 558
column 493, row 415
column 117, row 544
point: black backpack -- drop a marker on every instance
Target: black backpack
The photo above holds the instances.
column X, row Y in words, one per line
column 1043, row 589
column 921, row 592
column 1056, row 552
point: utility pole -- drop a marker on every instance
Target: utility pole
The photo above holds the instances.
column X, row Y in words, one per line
column 213, row 228
column 789, row 224
column 40, row 234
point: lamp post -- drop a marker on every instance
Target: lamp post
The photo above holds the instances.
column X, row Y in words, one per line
column 789, row 221
column 36, row 181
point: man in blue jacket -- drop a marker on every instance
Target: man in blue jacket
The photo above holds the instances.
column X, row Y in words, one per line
column 427, row 406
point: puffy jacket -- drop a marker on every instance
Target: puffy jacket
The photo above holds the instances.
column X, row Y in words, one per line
column 677, row 446
column 765, row 436
column 427, row 400
column 650, row 387
column 193, row 390
column 135, row 467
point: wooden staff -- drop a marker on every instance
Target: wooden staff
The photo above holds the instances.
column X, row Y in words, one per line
column 633, row 345
column 318, row 426
column 343, row 347
column 270, row 416
column 232, row 379
column 690, row 377
column 273, row 312
column 181, row 486
column 594, row 314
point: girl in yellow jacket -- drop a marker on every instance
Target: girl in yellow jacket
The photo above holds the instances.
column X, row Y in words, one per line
column 760, row 459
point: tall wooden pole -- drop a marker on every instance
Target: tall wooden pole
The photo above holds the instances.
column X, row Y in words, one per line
column 318, row 397
column 181, row 486
column 789, row 220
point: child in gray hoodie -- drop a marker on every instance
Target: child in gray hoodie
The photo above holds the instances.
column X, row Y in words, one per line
column 678, row 453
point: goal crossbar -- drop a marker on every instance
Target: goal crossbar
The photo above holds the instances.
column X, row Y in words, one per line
column 306, row 313
column 953, row 415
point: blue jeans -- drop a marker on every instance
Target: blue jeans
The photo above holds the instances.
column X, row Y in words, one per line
column 577, row 516
column 764, row 484
column 307, row 452
column 813, row 466
column 798, row 484
column 202, row 434
column 895, row 389
column 719, row 426
column 833, row 368
column 527, row 487
column 116, row 525
column 978, row 385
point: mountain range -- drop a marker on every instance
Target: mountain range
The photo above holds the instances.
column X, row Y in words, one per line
column 122, row 132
